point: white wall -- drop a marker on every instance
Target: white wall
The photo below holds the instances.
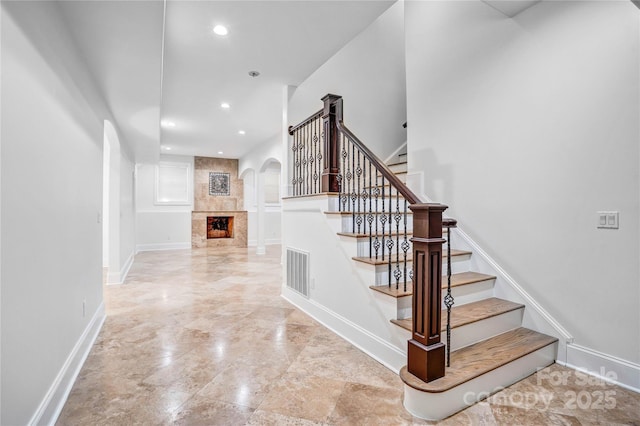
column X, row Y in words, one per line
column 526, row 127
column 256, row 158
column 52, row 139
column 369, row 74
column 262, row 162
column 160, row 226
column 119, row 221
column 127, row 212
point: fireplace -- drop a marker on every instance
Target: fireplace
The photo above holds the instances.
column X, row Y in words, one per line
column 219, row 227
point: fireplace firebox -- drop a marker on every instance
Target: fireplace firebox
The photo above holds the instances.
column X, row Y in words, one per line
column 219, row 227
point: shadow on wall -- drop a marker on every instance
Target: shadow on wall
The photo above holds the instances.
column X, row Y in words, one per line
column 438, row 178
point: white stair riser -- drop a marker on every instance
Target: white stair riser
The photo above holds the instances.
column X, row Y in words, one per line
column 395, row 308
column 397, row 168
column 437, row 406
column 480, row 330
column 462, row 295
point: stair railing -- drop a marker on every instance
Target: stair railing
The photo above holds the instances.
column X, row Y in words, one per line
column 306, row 160
column 379, row 203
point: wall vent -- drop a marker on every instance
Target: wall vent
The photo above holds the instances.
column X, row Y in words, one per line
column 298, row 271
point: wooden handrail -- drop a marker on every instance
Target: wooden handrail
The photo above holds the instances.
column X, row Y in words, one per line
column 312, row 117
column 382, row 167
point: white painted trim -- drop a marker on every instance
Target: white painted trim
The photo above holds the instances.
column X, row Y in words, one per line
column 529, row 301
column 395, row 153
column 378, row 349
column 602, row 366
column 119, row 277
column 53, row 402
column 267, row 242
column 162, row 246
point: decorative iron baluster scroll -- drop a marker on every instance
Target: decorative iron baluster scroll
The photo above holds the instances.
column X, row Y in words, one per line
column 448, row 298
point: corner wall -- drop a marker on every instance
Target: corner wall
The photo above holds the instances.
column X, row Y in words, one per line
column 526, row 127
column 51, row 166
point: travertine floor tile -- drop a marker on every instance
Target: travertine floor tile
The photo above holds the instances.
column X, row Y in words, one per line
column 202, row 337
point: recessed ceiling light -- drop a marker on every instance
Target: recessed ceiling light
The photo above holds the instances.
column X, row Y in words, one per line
column 225, row 105
column 241, row 132
column 253, row 73
column 167, row 123
column 166, row 148
column 220, row 30
column 220, row 152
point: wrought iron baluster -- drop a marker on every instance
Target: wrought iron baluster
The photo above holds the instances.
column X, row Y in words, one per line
column 397, row 217
column 376, row 243
column 405, row 246
column 318, row 157
column 383, row 220
column 343, row 172
column 370, row 216
column 360, row 191
column 296, row 140
column 314, row 147
column 448, row 299
column 304, row 159
column 353, row 188
column 390, row 239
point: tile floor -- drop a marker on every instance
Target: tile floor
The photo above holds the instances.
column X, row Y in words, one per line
column 203, row 337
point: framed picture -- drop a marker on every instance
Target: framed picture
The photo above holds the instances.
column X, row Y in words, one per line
column 219, row 183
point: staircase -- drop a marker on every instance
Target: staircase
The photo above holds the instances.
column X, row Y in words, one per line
column 489, row 347
column 366, row 208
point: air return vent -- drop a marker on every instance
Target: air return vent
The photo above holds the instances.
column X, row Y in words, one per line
column 298, row 271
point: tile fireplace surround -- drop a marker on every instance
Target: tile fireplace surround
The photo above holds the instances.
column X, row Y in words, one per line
column 206, row 205
column 199, row 229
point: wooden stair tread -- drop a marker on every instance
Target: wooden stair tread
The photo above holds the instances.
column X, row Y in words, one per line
column 404, row 172
column 482, row 357
column 397, row 163
column 379, row 261
column 349, row 213
column 470, row 313
column 459, row 279
column 379, row 235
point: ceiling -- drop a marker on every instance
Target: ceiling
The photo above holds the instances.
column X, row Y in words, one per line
column 157, row 61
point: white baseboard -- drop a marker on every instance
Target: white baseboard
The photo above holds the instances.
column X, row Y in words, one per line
column 53, row 402
column 162, row 246
column 603, row 366
column 386, row 354
column 267, row 242
column 119, row 276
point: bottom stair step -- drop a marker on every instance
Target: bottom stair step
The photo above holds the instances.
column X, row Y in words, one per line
column 481, row 358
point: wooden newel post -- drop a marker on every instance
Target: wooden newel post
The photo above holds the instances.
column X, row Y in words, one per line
column 331, row 171
column 426, row 354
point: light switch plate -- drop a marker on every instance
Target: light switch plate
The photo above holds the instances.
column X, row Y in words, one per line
column 608, row 220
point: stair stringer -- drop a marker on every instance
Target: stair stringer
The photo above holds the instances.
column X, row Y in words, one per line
column 339, row 297
column 535, row 316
